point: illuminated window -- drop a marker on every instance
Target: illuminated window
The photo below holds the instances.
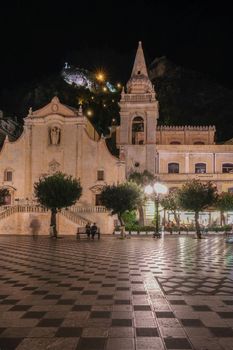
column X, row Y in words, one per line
column 173, row 168
column 100, row 175
column 8, row 175
column 138, row 131
column 227, row 168
column 200, row 168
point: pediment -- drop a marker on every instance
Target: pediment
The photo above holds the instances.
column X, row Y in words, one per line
column 97, row 188
column 53, row 107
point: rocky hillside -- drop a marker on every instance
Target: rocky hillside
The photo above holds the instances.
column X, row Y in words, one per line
column 187, row 97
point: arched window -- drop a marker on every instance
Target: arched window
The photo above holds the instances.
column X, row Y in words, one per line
column 199, row 143
column 173, row 168
column 138, row 131
column 8, row 175
column 227, row 168
column 200, row 168
column 175, row 143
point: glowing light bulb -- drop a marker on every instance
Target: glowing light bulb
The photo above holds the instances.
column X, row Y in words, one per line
column 100, row 76
column 89, row 113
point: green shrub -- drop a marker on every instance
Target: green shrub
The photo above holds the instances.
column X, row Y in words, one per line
column 224, row 228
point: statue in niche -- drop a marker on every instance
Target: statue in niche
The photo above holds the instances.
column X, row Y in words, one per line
column 55, row 135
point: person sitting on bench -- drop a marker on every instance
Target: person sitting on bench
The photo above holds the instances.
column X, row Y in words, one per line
column 88, row 229
column 94, row 230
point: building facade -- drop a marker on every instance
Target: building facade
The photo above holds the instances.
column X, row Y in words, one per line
column 175, row 154
column 58, row 138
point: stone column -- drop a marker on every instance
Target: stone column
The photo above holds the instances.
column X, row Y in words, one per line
column 214, row 163
column 186, row 163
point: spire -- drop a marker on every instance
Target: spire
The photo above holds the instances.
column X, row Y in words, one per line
column 139, row 67
column 139, row 82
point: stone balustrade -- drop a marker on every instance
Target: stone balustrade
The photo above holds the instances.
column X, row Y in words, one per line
column 73, row 216
column 8, row 210
column 89, row 209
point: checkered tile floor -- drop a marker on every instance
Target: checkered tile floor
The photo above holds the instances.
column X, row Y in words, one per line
column 140, row 293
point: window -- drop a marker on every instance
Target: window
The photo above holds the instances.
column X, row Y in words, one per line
column 199, row 143
column 98, row 199
column 100, row 175
column 8, row 175
column 227, row 168
column 230, row 190
column 175, row 143
column 173, row 168
column 138, row 131
column 200, row 168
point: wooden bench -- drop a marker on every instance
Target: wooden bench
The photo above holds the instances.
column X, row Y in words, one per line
column 82, row 231
column 157, row 235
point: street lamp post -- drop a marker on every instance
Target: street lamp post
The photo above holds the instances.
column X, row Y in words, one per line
column 156, row 190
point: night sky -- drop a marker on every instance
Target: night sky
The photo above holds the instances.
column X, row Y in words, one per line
column 37, row 37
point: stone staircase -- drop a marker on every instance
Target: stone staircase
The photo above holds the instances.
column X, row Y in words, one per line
column 79, row 216
column 74, row 217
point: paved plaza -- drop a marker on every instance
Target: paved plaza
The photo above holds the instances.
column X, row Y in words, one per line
column 112, row 294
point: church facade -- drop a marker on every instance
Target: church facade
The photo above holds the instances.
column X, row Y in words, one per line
column 60, row 138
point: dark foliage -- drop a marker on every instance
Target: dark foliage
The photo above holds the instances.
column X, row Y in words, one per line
column 225, row 202
column 3, row 194
column 188, row 98
column 120, row 198
column 197, row 196
column 57, row 191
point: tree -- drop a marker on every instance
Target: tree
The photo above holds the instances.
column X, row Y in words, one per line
column 3, row 194
column 224, row 203
column 141, row 179
column 56, row 192
column 120, row 198
column 170, row 202
column 197, row 196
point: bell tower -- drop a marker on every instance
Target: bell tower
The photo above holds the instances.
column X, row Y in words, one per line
column 136, row 135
